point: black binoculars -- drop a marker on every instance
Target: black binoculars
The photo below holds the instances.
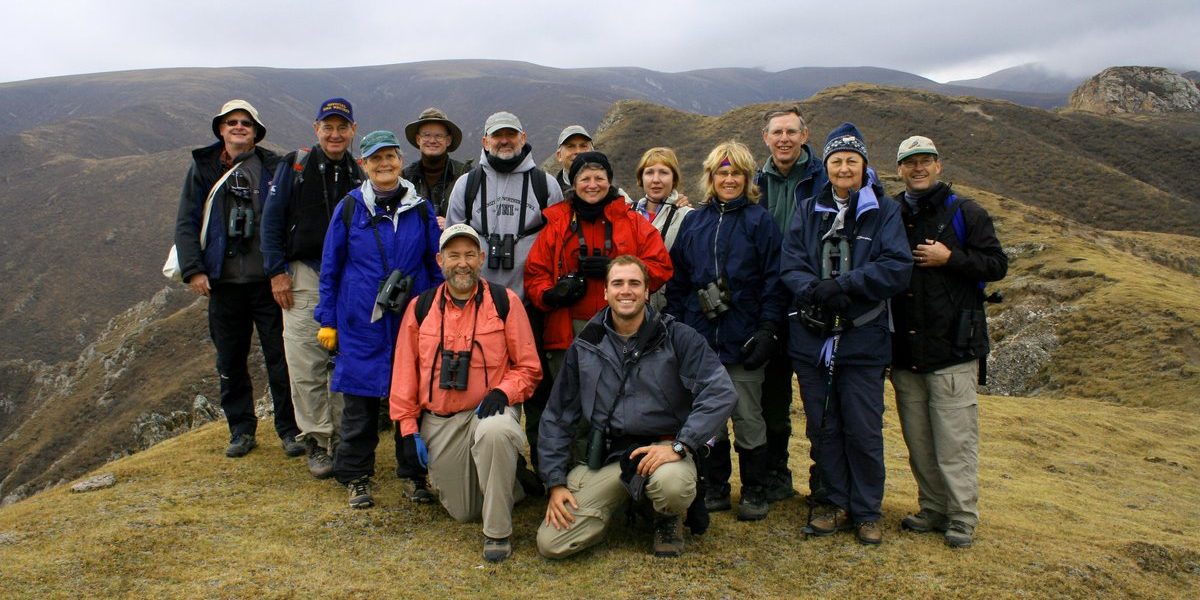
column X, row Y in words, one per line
column 500, row 251
column 394, row 291
column 456, row 366
column 714, row 298
column 241, row 222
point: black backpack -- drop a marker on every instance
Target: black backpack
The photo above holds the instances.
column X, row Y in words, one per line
column 498, row 292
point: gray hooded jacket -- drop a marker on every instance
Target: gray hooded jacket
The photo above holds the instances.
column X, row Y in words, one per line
column 666, row 381
column 504, row 205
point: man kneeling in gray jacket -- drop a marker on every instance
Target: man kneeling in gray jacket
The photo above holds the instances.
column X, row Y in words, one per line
column 638, row 395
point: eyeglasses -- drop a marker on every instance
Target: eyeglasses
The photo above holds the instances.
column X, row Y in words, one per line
column 434, row 137
column 236, row 122
column 921, row 161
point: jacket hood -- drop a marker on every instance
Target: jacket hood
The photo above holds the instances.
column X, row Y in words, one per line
column 366, row 195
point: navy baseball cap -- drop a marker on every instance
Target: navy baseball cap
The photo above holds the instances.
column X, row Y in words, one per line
column 336, row 106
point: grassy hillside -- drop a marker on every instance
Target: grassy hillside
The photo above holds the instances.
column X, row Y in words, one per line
column 1080, row 499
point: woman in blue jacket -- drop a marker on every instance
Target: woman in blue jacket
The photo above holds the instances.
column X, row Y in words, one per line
column 379, row 252
column 844, row 255
column 726, row 286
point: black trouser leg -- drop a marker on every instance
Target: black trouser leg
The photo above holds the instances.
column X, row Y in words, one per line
column 360, row 435
column 720, row 467
column 268, row 320
column 537, row 402
column 230, row 325
column 777, row 408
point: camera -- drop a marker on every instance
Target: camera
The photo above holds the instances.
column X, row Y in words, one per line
column 501, row 250
column 456, row 366
column 394, row 291
column 813, row 318
column 241, row 222
column 572, row 287
column 714, row 298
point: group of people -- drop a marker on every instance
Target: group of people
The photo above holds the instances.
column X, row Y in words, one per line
column 458, row 300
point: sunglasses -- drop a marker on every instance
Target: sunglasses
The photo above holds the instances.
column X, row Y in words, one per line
column 236, row 122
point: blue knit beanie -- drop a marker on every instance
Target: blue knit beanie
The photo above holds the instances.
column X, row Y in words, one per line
column 845, row 138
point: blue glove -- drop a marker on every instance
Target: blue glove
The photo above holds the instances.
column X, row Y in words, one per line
column 415, row 452
column 494, row 402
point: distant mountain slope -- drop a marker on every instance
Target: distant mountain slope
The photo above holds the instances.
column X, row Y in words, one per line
column 1029, row 78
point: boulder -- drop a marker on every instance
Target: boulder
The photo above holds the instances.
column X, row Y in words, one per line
column 1136, row 90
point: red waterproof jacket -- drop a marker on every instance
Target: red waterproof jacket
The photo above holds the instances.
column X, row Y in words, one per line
column 556, row 252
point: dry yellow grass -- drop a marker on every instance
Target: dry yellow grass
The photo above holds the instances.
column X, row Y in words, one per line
column 1079, row 499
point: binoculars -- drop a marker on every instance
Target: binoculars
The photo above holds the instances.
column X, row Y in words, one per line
column 241, row 222
column 714, row 298
column 394, row 291
column 501, row 250
column 456, row 367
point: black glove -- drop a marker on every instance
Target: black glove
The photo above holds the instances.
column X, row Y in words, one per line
column 595, row 267
column 758, row 349
column 829, row 293
column 564, row 293
column 494, row 402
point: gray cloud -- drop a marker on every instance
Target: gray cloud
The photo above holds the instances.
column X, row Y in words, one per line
column 938, row 39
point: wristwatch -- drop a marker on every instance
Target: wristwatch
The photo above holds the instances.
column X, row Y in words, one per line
column 679, row 449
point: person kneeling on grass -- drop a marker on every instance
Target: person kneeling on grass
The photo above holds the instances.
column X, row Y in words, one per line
column 465, row 362
column 649, row 392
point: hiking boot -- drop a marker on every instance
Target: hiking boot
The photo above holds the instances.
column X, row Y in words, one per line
column 753, row 506
column 960, row 534
column 240, row 445
column 360, row 493
column 778, row 486
column 496, row 549
column 320, row 464
column 869, row 532
column 831, row 520
column 291, row 447
column 417, row 490
column 668, row 535
column 716, row 500
column 924, row 521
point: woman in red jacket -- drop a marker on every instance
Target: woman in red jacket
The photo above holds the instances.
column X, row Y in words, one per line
column 564, row 274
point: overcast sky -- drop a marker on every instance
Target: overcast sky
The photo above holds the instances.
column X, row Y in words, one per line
column 939, row 39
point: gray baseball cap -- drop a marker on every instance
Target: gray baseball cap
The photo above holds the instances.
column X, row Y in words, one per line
column 573, row 130
column 502, row 120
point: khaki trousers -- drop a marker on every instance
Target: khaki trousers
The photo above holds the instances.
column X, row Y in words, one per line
column 749, row 426
column 473, row 466
column 939, row 415
column 600, row 494
column 318, row 410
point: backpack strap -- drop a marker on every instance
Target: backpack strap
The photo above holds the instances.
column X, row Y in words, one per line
column 298, row 165
column 959, row 224
column 474, row 179
column 500, row 299
column 540, row 189
column 347, row 211
column 424, row 302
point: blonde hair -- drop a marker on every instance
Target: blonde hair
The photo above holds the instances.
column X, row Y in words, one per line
column 667, row 157
column 739, row 158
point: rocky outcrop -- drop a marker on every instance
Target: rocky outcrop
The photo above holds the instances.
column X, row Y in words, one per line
column 1136, row 90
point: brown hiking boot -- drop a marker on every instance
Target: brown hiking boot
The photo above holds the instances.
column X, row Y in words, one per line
column 834, row 518
column 924, row 521
column 869, row 532
column 668, row 535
